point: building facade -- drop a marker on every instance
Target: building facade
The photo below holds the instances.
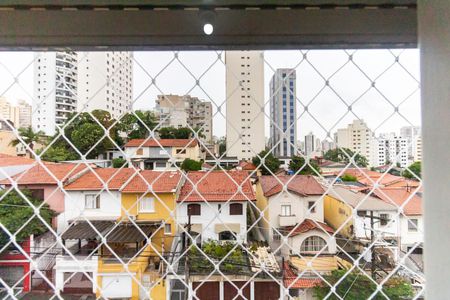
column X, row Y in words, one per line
column 356, row 137
column 245, row 103
column 283, row 113
column 105, row 81
column 181, row 111
column 19, row 114
column 389, row 148
column 55, row 89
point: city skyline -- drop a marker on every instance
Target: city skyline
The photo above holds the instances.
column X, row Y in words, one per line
column 326, row 109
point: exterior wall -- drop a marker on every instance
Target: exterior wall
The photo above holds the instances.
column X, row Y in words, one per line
column 19, row 114
column 357, row 137
column 296, row 241
column 191, row 152
column 208, row 218
column 19, row 260
column 93, row 70
column 66, row 264
column 261, row 204
column 299, row 207
column 244, row 103
column 336, row 213
column 409, row 238
column 164, row 205
column 110, row 207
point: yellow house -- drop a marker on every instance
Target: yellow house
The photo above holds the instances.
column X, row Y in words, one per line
column 145, row 233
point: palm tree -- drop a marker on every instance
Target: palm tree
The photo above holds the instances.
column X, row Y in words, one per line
column 29, row 137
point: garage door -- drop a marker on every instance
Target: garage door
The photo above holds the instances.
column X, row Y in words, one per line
column 11, row 275
column 116, row 286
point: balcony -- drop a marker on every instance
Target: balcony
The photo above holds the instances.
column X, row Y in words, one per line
column 287, row 220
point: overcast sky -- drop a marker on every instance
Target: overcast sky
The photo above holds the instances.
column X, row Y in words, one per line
column 327, row 107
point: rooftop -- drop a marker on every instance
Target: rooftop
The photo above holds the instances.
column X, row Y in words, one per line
column 95, row 180
column 355, row 198
column 307, row 225
column 217, row 186
column 303, row 185
column 399, row 196
column 161, row 182
column 7, row 160
column 189, row 143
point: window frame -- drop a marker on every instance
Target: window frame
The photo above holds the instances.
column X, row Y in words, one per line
column 96, row 201
column 196, row 205
column 283, row 212
column 141, row 201
column 315, row 244
column 234, row 210
column 415, row 227
column 167, row 232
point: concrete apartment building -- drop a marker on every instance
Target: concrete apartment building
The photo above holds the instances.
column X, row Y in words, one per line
column 389, row 148
column 245, row 103
column 283, row 113
column 356, row 137
column 412, row 135
column 105, row 81
column 181, row 111
column 19, row 114
column 65, row 82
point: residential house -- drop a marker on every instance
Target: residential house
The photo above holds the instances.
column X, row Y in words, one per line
column 293, row 206
column 162, row 154
column 217, row 208
column 43, row 182
column 93, row 200
column 143, row 235
column 11, row 165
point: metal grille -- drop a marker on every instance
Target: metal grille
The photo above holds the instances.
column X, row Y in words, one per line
column 177, row 218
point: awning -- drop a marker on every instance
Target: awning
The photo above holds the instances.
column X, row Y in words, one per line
column 130, row 233
column 236, row 228
column 83, row 230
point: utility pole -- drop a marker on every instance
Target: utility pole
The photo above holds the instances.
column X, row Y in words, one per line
column 372, row 239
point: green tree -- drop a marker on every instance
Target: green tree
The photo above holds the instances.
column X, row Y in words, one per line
column 222, row 145
column 179, row 133
column 355, row 286
column 348, row 177
column 271, row 163
column 86, row 136
column 191, row 165
column 29, row 137
column 134, row 126
column 297, row 162
column 57, row 153
column 15, row 211
column 342, row 155
column 118, row 162
column 414, row 168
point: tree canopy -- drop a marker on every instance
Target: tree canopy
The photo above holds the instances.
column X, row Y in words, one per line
column 29, row 137
column 342, row 155
column 271, row 163
column 414, row 168
column 137, row 125
column 15, row 211
column 191, row 165
column 179, row 133
column 298, row 162
column 356, row 285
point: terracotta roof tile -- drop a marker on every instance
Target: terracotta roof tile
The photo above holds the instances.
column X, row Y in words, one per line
column 39, row 175
column 399, row 196
column 189, row 143
column 217, row 186
column 307, row 225
column 303, row 185
column 162, row 182
column 247, row 166
column 7, row 160
column 115, row 178
column 292, row 281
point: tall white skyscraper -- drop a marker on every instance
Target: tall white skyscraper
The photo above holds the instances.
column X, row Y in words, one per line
column 283, row 112
column 310, row 143
column 55, row 89
column 356, row 137
column 411, row 134
column 389, row 148
column 66, row 82
column 245, row 103
column 105, row 81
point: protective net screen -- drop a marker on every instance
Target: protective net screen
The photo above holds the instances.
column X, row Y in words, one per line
column 211, row 175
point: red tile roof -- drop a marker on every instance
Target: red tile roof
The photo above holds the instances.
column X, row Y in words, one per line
column 39, row 175
column 114, row 178
column 291, row 280
column 368, row 177
column 307, row 225
column 7, row 160
column 247, row 166
column 304, row 185
column 217, row 186
column 400, row 196
column 162, row 182
column 188, row 143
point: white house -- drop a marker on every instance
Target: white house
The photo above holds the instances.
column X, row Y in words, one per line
column 87, row 200
column 217, row 207
column 161, row 154
column 293, row 207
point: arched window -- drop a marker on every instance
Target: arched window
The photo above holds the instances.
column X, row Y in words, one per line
column 313, row 244
column 193, row 210
column 227, row 236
